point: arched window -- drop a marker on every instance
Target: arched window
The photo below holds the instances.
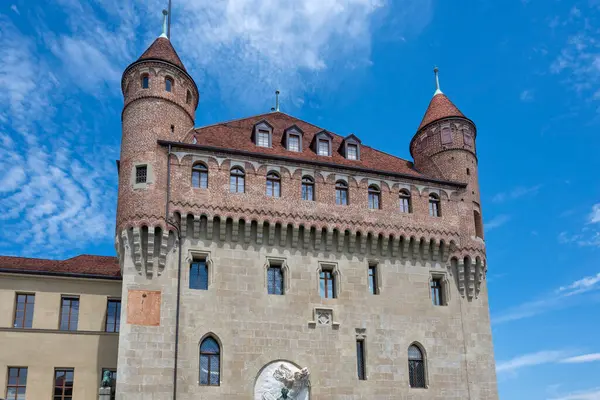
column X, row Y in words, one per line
column 145, row 81
column 200, row 176
column 210, row 362
column 405, row 205
column 341, row 193
column 169, row 84
column 434, row 205
column 308, row 188
column 374, row 197
column 273, row 185
column 237, row 180
column 416, row 367
column 188, row 97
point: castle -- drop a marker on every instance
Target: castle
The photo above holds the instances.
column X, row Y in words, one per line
column 264, row 258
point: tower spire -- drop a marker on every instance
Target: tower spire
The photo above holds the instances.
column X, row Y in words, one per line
column 277, row 100
column 164, row 28
column 436, row 71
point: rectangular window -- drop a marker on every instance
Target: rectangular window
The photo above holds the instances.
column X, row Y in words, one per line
column 323, row 147
column 275, row 280
column 404, row 205
column 352, row 152
column 141, row 173
column 373, row 289
column 436, row 292
column 360, row 359
column 69, row 313
column 262, row 138
column 468, row 139
column 327, row 284
column 113, row 380
column 63, row 384
column 308, row 191
column 199, row 275
column 24, row 310
column 341, row 197
column 374, row 201
column 113, row 315
column 17, row 383
column 294, row 143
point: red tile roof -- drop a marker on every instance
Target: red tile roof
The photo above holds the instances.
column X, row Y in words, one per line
column 439, row 107
column 237, row 135
column 162, row 49
column 80, row 265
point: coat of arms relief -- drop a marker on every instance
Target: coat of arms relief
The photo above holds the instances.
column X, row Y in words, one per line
column 282, row 380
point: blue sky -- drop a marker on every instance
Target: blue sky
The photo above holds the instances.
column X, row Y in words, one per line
column 526, row 71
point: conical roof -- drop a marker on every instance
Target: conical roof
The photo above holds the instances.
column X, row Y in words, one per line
column 163, row 50
column 440, row 107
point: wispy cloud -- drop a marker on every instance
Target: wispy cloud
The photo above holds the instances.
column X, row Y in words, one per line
column 529, row 360
column 526, row 95
column 585, row 358
column 517, row 192
column 563, row 297
column 590, row 394
column 588, row 235
column 496, row 222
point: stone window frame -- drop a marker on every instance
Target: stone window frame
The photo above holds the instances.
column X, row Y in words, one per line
column 309, row 181
column 354, row 141
column 445, row 138
column 149, row 175
column 406, row 194
column 169, row 78
column 216, row 338
column 425, row 362
column 293, row 130
column 192, row 256
column 263, row 126
column 323, row 135
column 344, row 187
column 145, row 76
column 361, row 335
column 285, row 271
column 336, row 275
column 378, row 277
column 434, row 198
column 375, row 191
column 199, row 167
column 445, row 282
column 274, row 179
column 468, row 139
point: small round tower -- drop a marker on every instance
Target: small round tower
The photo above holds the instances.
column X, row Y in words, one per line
column 444, row 147
column 160, row 103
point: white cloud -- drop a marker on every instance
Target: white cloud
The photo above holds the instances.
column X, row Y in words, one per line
column 592, row 394
column 496, row 222
column 563, row 297
column 595, row 214
column 582, row 359
column 529, row 360
column 517, row 192
column 526, row 95
column 15, row 9
column 581, row 286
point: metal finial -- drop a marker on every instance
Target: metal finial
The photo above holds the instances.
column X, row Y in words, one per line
column 164, row 29
column 436, row 71
column 277, row 100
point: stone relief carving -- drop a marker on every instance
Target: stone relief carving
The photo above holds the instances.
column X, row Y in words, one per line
column 282, row 380
column 324, row 317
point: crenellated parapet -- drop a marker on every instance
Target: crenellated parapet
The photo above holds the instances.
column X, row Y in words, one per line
column 147, row 246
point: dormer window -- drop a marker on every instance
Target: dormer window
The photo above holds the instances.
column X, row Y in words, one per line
column 351, row 147
column 262, row 138
column 294, row 142
column 352, row 152
column 262, row 134
column 323, row 147
column 292, row 139
column 322, row 143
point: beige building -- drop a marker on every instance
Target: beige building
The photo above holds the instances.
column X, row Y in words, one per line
column 268, row 258
column 57, row 334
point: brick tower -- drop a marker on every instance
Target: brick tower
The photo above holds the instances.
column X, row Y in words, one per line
column 160, row 99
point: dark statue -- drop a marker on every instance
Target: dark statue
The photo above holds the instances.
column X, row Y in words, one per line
column 106, row 379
